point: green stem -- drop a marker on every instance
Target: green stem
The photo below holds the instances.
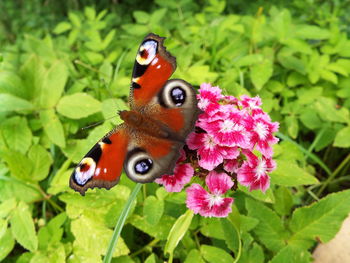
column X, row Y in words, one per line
column 119, row 226
column 334, row 174
column 150, row 244
column 238, row 256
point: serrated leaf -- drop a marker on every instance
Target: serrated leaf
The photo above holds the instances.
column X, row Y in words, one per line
column 22, row 227
column 17, row 134
column 10, row 103
column 11, row 83
column 215, row 254
column 270, row 229
column 342, row 139
column 312, row 32
column 288, row 173
column 321, row 220
column 327, row 110
column 153, row 209
column 291, row 254
column 178, row 231
column 78, row 105
column 53, row 127
column 41, row 161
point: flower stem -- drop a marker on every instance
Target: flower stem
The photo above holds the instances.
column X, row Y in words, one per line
column 119, row 226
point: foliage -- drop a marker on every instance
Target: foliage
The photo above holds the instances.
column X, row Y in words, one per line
column 57, row 79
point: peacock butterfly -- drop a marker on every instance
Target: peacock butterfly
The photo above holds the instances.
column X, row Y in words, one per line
column 162, row 113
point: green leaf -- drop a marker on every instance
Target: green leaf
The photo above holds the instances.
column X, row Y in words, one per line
column 288, row 173
column 7, row 243
column 178, row 231
column 261, row 73
column 312, row 32
column 141, row 17
column 17, row 134
column 194, row 256
column 342, row 139
column 215, row 254
column 284, row 201
column 327, row 110
column 321, row 220
column 160, row 231
column 54, row 82
column 74, row 18
column 78, row 105
column 3, row 227
column 53, row 127
column 292, row 254
column 292, row 126
column 7, row 207
column 151, row 258
column 62, row 27
column 9, row 103
column 231, row 235
column 212, row 228
column 153, row 209
column 20, row 166
column 22, row 227
column 11, row 83
column 86, row 240
column 41, row 161
column 270, row 230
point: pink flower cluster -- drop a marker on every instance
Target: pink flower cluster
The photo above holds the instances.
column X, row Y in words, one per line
column 233, row 141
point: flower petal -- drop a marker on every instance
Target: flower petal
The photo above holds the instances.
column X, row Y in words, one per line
column 218, row 183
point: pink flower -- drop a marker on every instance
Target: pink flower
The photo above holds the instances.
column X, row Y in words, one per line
column 208, row 96
column 253, row 172
column 251, row 104
column 182, row 175
column 262, row 134
column 211, row 204
column 209, row 152
column 175, row 183
column 229, row 130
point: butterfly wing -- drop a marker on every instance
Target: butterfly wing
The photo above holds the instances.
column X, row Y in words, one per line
column 153, row 67
column 174, row 108
column 102, row 165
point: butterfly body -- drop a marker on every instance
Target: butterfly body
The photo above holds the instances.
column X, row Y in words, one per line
column 162, row 113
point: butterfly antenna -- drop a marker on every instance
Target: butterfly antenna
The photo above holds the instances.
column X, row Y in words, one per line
column 98, row 123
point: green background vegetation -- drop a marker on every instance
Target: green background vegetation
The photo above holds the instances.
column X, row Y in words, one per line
column 65, row 65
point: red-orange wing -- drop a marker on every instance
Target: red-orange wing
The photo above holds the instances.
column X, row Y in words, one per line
column 153, row 67
column 103, row 164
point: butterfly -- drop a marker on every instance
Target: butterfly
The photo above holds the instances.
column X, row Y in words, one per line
column 147, row 145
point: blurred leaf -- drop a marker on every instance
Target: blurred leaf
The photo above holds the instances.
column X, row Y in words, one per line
column 22, row 227
column 7, row 207
column 7, row 243
column 312, row 32
column 62, row 27
column 78, row 105
column 342, row 139
column 194, row 256
column 10, row 103
column 261, row 73
column 153, row 209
